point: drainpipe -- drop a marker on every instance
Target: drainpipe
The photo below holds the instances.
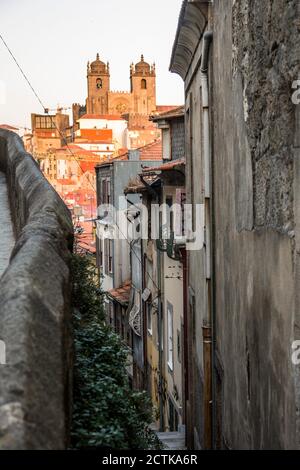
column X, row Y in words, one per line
column 207, row 326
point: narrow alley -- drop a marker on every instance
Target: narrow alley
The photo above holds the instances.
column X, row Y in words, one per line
column 6, row 229
column 150, row 228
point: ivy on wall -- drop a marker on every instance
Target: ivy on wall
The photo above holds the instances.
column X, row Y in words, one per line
column 107, row 413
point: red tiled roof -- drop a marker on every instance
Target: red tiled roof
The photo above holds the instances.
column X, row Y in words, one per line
column 87, row 166
column 152, row 151
column 122, row 293
column 173, row 113
column 106, row 160
column 164, row 108
column 65, row 181
column 109, row 117
column 8, row 127
column 87, row 247
column 73, row 148
column 166, row 166
column 99, row 135
column 122, row 151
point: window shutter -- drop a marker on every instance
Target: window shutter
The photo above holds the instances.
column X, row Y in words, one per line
column 106, row 255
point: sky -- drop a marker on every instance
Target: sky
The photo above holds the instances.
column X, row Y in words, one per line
column 54, row 39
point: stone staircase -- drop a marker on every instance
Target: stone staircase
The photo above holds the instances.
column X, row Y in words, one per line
column 172, row 440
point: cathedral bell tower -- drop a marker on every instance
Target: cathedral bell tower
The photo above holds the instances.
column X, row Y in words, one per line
column 98, row 87
column 143, row 87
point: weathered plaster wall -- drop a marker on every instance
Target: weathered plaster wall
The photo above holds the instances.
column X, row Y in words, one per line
column 35, row 309
column 173, row 298
column 254, row 62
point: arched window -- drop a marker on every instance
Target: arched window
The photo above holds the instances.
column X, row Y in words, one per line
column 99, row 83
column 143, row 84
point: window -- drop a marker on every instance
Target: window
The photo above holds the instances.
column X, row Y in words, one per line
column 173, row 417
column 178, row 346
column 109, row 312
column 100, row 252
column 170, row 335
column 99, row 83
column 105, row 191
column 143, row 84
column 149, row 317
column 110, row 256
column 169, row 202
column 108, row 191
column 44, row 122
column 107, row 261
column 179, row 226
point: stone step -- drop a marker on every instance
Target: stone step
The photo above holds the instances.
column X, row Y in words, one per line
column 172, row 440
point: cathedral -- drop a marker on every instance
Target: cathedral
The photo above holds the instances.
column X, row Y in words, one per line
column 140, row 100
column 134, row 106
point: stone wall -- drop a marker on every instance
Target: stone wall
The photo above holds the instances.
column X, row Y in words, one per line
column 35, row 310
column 254, row 217
column 255, row 59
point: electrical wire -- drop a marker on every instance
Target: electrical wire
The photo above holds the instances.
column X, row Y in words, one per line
column 67, row 145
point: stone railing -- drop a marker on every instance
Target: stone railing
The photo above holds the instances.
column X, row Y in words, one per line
column 35, row 309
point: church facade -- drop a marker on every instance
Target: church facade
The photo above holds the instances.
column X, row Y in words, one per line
column 141, row 100
column 135, row 106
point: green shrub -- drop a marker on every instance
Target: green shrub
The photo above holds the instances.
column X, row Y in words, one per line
column 107, row 413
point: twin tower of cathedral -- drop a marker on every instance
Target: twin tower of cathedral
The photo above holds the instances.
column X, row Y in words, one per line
column 140, row 100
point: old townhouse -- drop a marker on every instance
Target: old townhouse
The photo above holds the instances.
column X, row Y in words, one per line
column 238, row 61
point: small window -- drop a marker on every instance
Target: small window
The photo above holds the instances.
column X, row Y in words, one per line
column 110, row 256
column 166, row 143
column 99, row 83
column 105, row 191
column 143, row 84
column 170, row 335
column 178, row 346
column 173, row 417
column 169, row 202
column 100, row 252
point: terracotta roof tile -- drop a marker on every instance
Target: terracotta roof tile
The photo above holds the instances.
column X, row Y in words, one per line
column 122, row 293
column 164, row 108
column 166, row 166
column 76, row 149
column 173, row 113
column 152, row 151
column 8, row 127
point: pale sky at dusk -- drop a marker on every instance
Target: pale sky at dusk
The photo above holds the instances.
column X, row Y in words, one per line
column 54, row 39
